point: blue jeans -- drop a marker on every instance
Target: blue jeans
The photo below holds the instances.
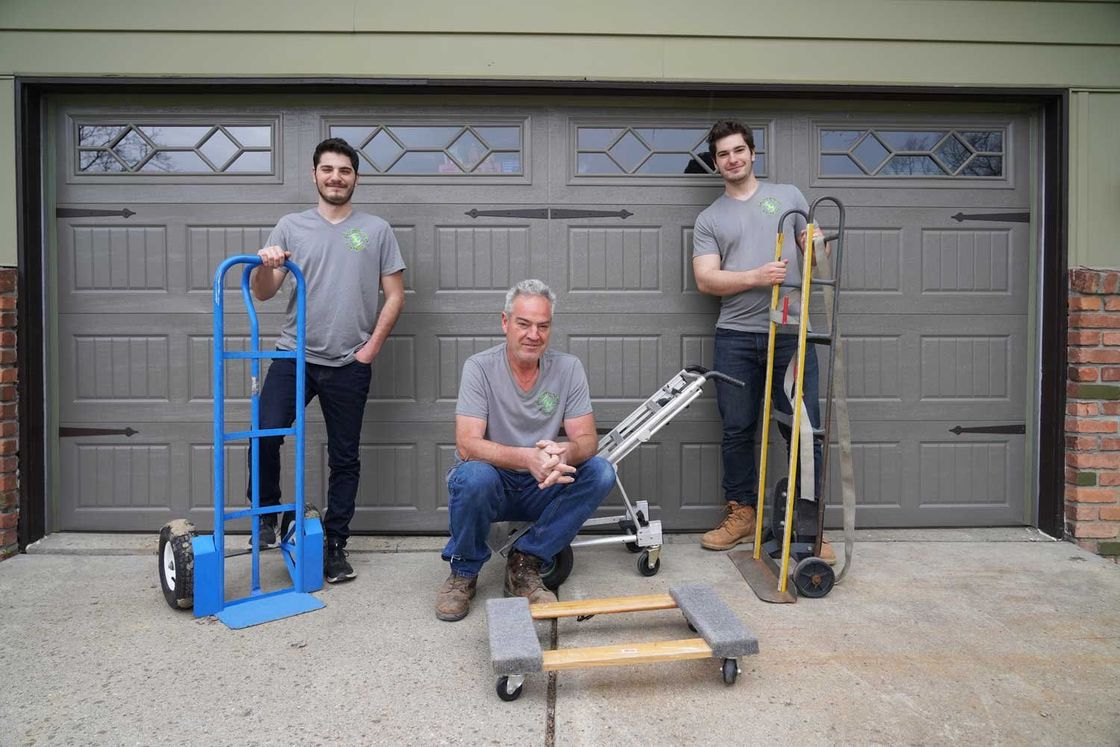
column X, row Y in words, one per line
column 482, row 494
column 743, row 356
column 342, row 395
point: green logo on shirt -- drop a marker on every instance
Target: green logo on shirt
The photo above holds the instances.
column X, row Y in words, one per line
column 547, row 402
column 356, row 239
column 770, row 205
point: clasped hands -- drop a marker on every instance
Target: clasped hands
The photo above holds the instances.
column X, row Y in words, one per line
column 548, row 465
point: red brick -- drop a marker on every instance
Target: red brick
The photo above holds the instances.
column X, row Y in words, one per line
column 7, row 392
column 7, row 282
column 1075, row 373
column 7, row 302
column 1092, row 495
column 8, row 339
column 1110, row 282
column 9, row 410
column 8, row 319
column 1078, row 459
column 1112, row 303
column 1084, row 281
column 1076, row 303
column 8, row 482
column 1094, row 321
column 1093, row 355
column 9, row 521
column 1095, row 530
column 1083, row 338
column 1110, row 444
column 9, row 375
column 9, row 446
column 1110, row 373
column 7, row 537
column 1111, row 338
column 8, row 464
column 1075, row 443
column 1110, row 513
column 1082, row 512
column 1083, row 408
column 1087, row 544
column 9, row 500
column 1110, row 408
column 1088, row 425
column 8, row 356
column 1108, row 479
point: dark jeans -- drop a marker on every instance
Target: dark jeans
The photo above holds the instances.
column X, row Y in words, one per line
column 743, row 355
column 481, row 494
column 342, row 398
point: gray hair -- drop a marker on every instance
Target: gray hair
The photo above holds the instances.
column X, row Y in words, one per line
column 531, row 287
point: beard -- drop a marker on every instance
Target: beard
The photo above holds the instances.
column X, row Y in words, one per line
column 336, row 199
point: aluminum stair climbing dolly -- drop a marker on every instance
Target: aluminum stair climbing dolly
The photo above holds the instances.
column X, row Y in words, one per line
column 794, row 529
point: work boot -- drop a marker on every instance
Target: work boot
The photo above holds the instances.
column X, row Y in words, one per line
column 828, row 555
column 267, row 532
column 736, row 527
column 336, row 568
column 523, row 579
column 453, row 600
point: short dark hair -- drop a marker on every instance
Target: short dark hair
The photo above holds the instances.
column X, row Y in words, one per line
column 725, row 127
column 335, row 145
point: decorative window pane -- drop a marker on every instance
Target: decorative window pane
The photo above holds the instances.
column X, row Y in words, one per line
column 424, row 150
column 911, row 153
column 145, row 148
column 651, row 151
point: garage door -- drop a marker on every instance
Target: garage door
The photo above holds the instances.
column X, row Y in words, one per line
column 598, row 201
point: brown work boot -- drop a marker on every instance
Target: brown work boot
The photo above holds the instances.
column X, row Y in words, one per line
column 453, row 600
column 523, row 579
column 736, row 527
column 828, row 555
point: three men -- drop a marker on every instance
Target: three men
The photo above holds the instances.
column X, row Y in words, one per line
column 733, row 259
column 513, row 400
column 345, row 256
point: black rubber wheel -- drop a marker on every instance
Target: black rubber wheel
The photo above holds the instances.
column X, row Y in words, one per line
column 813, row 578
column 644, row 566
column 730, row 671
column 176, row 564
column 555, row 573
column 504, row 693
column 633, row 547
column 628, row 527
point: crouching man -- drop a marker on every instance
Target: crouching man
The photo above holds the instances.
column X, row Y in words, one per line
column 513, row 399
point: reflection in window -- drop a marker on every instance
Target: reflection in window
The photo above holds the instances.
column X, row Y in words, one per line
column 141, row 148
column 917, row 153
column 652, row 151
column 418, row 150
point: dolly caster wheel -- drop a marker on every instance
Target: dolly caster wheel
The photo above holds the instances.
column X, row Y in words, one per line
column 644, row 566
column 813, row 578
column 505, row 692
column 730, row 671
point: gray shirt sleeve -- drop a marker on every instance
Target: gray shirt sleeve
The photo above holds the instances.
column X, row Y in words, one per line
column 703, row 238
column 391, row 259
column 579, row 393
column 472, row 400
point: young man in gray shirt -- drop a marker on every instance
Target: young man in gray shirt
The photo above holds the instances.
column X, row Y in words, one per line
column 344, row 256
column 733, row 259
column 513, row 399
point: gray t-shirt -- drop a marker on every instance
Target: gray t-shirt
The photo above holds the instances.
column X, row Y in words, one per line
column 342, row 264
column 487, row 390
column 744, row 233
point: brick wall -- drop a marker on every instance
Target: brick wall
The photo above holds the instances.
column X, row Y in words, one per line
column 9, row 417
column 1093, row 411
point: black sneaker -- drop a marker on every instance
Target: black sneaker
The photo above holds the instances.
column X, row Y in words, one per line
column 335, row 566
column 266, row 533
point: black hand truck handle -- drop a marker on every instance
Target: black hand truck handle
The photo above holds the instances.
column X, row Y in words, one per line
column 707, row 373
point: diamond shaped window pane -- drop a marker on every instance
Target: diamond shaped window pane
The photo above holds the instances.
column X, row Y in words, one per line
column 468, row 150
column 953, row 153
column 596, row 138
column 500, row 163
column 628, row 152
column 97, row 134
column 218, row 148
column 383, row 150
column 664, row 138
column 176, row 137
column 870, row 153
column 251, row 161
column 596, row 163
column 500, row 137
column 989, row 141
column 252, row 137
column 425, row 162
column 839, row 166
column 910, row 139
column 176, row 162
column 702, row 164
column 355, row 136
column 99, row 161
column 669, row 163
column 839, row 139
column 132, row 148
column 425, row 137
column 912, row 166
column 984, row 166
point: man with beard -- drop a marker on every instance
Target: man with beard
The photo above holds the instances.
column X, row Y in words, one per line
column 344, row 256
column 733, row 259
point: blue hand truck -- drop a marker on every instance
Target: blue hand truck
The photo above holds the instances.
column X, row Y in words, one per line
column 192, row 565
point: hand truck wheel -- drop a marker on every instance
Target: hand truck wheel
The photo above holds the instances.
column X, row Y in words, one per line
column 813, row 578
column 555, row 573
column 504, row 692
column 176, row 563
